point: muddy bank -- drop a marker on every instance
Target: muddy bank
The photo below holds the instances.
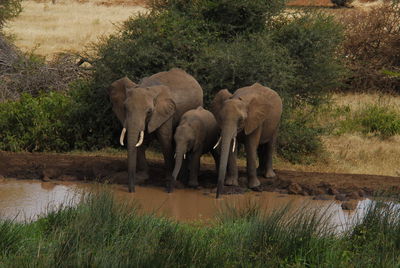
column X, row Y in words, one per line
column 113, row 169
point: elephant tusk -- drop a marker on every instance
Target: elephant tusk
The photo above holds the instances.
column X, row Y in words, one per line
column 140, row 139
column 234, row 145
column 216, row 145
column 121, row 138
column 184, row 156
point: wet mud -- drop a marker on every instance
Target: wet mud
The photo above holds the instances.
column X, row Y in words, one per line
column 64, row 167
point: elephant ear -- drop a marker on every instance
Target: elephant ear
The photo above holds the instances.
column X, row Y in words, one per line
column 218, row 102
column 164, row 109
column 257, row 113
column 117, row 93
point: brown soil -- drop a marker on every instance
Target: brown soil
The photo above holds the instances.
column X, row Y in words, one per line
column 113, row 169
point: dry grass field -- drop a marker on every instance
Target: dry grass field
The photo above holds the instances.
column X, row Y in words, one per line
column 355, row 152
column 72, row 25
column 68, row 25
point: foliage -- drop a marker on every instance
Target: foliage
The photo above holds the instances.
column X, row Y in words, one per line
column 375, row 119
column 8, row 10
column 55, row 121
column 299, row 139
column 101, row 232
column 372, row 47
column 380, row 120
column 312, row 40
column 34, row 124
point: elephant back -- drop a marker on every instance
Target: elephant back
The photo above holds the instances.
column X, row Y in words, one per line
column 185, row 90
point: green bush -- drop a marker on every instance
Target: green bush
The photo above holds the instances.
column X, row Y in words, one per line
column 299, row 140
column 35, row 124
column 376, row 119
column 311, row 41
column 57, row 121
column 241, row 63
column 382, row 121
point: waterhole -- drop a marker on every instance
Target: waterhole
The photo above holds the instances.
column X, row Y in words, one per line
column 26, row 200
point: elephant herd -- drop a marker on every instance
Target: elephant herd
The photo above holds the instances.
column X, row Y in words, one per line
column 168, row 106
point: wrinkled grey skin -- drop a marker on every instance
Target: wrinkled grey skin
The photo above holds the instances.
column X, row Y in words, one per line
column 196, row 134
column 251, row 115
column 155, row 107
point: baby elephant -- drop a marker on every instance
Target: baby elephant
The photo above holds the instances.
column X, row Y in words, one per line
column 196, row 134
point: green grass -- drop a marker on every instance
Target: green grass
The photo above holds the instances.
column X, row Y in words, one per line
column 371, row 120
column 101, row 232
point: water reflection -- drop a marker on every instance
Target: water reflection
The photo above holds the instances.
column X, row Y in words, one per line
column 26, row 200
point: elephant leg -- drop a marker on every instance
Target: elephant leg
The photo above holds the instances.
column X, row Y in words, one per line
column 165, row 137
column 261, row 151
column 251, row 144
column 194, row 169
column 269, row 150
column 232, row 171
column 142, row 166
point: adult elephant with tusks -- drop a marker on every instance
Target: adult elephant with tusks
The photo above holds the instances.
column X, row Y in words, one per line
column 251, row 115
column 152, row 109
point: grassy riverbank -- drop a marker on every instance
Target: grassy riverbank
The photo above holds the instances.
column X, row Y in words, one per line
column 103, row 233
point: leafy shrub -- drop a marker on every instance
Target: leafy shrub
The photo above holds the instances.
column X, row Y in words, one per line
column 56, row 121
column 34, row 124
column 312, row 40
column 299, row 140
column 90, row 121
column 372, row 47
column 8, row 10
column 241, row 63
column 380, row 120
column 376, row 119
column 226, row 17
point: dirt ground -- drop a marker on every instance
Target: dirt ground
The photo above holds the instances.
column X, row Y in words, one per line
column 113, row 169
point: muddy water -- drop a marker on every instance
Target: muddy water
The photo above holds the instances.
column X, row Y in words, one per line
column 26, row 200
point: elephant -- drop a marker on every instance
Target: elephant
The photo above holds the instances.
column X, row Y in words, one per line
column 152, row 109
column 195, row 135
column 252, row 115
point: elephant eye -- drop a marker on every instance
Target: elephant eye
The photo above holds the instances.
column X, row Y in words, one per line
column 149, row 111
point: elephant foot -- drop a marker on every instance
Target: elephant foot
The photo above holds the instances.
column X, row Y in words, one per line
column 232, row 181
column 270, row 174
column 193, row 183
column 254, row 182
column 142, row 176
column 170, row 186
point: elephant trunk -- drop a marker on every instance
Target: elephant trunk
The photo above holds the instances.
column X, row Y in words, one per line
column 228, row 133
column 132, row 155
column 180, row 154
